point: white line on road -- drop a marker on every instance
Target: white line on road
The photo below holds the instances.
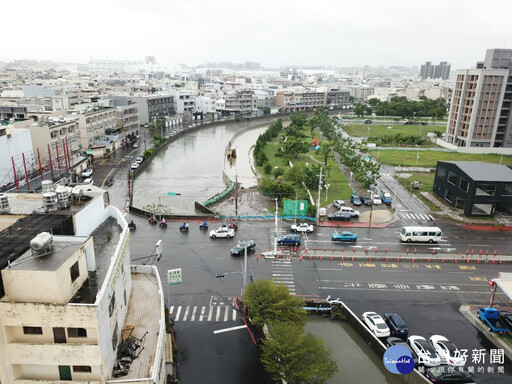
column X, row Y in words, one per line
column 234, row 314
column 226, row 314
column 217, row 315
column 193, row 317
column 210, row 313
column 201, row 316
column 185, row 316
column 178, row 312
column 229, row 329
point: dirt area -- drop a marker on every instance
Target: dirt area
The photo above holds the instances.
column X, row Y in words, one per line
column 250, row 202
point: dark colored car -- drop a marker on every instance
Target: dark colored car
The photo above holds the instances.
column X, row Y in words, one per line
column 339, row 216
column 392, row 340
column 367, row 121
column 506, row 318
column 445, row 374
column 366, row 199
column 355, row 200
column 289, row 240
column 239, row 249
column 396, row 325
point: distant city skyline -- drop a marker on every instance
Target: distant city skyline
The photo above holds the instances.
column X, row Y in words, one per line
column 285, row 33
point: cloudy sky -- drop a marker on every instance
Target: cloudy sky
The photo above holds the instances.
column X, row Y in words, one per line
column 272, row 32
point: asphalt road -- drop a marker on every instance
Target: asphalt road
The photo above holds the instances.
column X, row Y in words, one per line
column 426, row 295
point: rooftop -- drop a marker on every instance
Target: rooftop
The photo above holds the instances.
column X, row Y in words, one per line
column 480, row 171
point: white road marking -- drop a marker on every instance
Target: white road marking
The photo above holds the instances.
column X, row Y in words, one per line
column 201, row 316
column 229, row 329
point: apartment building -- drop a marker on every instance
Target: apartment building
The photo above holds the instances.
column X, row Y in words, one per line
column 13, row 145
column 242, row 101
column 152, row 106
column 337, row 99
column 8, row 112
column 480, row 110
column 441, row 71
column 93, row 122
column 72, row 308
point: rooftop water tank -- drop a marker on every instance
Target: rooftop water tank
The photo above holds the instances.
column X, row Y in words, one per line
column 43, row 242
column 50, row 201
column 4, row 203
column 47, row 186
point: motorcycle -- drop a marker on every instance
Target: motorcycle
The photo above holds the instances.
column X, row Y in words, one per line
column 162, row 224
column 132, row 225
column 204, row 226
column 152, row 220
column 184, row 228
column 233, row 226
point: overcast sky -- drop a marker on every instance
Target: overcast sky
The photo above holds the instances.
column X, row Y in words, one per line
column 272, row 32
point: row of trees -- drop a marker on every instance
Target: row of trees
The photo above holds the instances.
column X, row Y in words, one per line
column 289, row 354
column 400, row 106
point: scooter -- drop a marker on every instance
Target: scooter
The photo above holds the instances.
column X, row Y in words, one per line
column 204, row 226
column 132, row 225
column 233, row 226
column 162, row 224
column 152, row 220
column 184, row 228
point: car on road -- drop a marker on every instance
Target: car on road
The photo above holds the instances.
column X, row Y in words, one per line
column 447, row 351
column 385, row 196
column 239, row 249
column 367, row 121
column 303, row 227
column 376, row 200
column 376, row 324
column 344, row 236
column 289, row 240
column 135, row 165
column 396, row 325
column 136, row 144
column 506, row 318
column 448, row 375
column 222, row 232
column 338, row 203
column 392, row 340
column 366, row 199
column 87, row 173
column 338, row 216
column 427, row 355
column 355, row 200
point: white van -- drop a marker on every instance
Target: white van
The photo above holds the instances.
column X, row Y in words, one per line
column 421, row 234
column 350, row 211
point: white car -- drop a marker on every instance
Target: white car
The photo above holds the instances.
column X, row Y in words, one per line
column 87, row 173
column 376, row 324
column 427, row 355
column 447, row 351
column 377, row 200
column 135, row 165
column 338, row 203
column 88, row 182
column 222, row 232
column 302, row 227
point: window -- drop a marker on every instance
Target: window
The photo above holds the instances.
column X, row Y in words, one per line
column 449, row 196
column 32, row 330
column 112, row 305
column 464, row 184
column 82, row 368
column 486, row 189
column 77, row 332
column 441, row 171
column 74, row 271
column 507, row 190
column 452, row 178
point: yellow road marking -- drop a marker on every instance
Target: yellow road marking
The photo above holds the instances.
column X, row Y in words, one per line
column 477, row 278
column 466, row 267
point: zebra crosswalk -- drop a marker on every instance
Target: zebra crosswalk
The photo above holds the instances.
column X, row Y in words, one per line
column 416, row 216
column 205, row 313
column 282, row 273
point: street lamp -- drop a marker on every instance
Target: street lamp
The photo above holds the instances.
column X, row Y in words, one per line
column 326, row 190
column 417, row 155
column 350, row 182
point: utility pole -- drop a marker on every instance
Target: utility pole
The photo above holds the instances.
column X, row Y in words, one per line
column 275, row 234
column 236, row 195
column 244, row 269
column 318, row 198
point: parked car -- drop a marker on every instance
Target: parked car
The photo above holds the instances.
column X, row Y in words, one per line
column 135, row 165
column 139, row 159
column 338, row 203
column 427, row 355
column 303, row 227
column 344, row 236
column 88, row 181
column 376, row 200
column 506, row 318
column 222, row 232
column 376, row 324
column 367, row 121
column 289, row 240
column 351, row 211
column 444, row 375
column 390, row 341
column 87, row 173
column 338, row 216
column 386, row 196
column 396, row 325
column 447, row 351
column 366, row 199
column 239, row 249
column 491, row 318
column 355, row 200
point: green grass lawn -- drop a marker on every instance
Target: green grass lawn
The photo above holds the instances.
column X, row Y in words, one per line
column 338, row 189
column 430, row 158
column 361, row 130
